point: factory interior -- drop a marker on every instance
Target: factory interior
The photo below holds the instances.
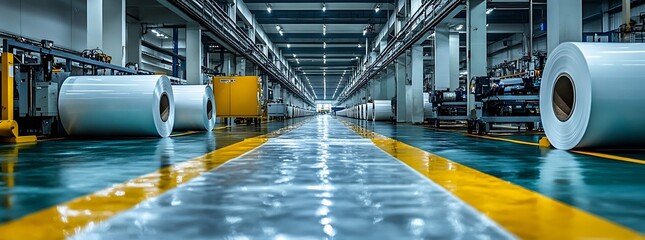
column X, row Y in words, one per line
column 322, row 119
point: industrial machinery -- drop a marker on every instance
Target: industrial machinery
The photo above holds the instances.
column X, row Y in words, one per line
column 32, row 73
column 447, row 106
column 504, row 101
column 239, row 98
column 277, row 110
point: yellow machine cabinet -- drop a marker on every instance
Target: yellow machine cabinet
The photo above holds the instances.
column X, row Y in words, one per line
column 238, row 96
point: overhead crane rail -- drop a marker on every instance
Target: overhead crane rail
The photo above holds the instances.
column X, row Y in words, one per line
column 429, row 15
column 215, row 19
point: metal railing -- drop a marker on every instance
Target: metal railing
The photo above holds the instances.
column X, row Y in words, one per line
column 215, row 19
column 429, row 15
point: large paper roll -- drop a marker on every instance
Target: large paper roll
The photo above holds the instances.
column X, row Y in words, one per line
column 592, row 95
column 382, row 110
column 117, row 106
column 370, row 111
column 194, row 107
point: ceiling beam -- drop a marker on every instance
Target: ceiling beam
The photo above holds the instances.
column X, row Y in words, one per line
column 320, row 36
column 309, row 1
column 263, row 16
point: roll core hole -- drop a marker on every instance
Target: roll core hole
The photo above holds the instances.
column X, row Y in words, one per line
column 209, row 110
column 564, row 97
column 164, row 107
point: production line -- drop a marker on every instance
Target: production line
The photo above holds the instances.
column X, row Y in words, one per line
column 301, row 119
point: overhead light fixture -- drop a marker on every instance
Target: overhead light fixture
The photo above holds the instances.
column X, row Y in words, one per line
column 324, row 44
column 377, row 8
column 356, row 57
column 459, row 27
column 269, row 8
column 324, row 29
column 288, row 45
column 294, row 55
column 324, row 61
column 324, row 55
column 490, row 10
column 324, row 8
column 364, row 31
column 281, row 33
column 277, row 27
column 360, row 46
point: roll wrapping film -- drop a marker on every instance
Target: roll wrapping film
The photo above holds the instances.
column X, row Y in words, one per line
column 194, row 107
column 382, row 110
column 592, row 96
column 117, row 106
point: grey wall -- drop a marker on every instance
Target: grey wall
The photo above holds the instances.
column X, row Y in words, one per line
column 63, row 21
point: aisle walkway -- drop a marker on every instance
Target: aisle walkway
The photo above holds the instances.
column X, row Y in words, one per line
column 318, row 181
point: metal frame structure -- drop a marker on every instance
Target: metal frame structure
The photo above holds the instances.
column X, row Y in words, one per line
column 426, row 18
column 215, row 19
column 9, row 45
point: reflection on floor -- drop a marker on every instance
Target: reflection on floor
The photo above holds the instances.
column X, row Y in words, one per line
column 41, row 175
column 610, row 189
column 318, row 181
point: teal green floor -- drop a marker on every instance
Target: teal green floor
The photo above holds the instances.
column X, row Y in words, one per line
column 52, row 172
column 611, row 189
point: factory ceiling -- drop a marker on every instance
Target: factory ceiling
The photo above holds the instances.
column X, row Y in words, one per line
column 324, row 46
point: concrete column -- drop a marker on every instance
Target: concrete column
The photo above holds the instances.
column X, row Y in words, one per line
column 240, row 66
column 193, row 54
column 376, row 89
column 229, row 62
column 133, row 46
column 391, row 82
column 477, row 44
column 447, row 59
column 408, row 86
column 417, row 84
column 564, row 22
column 401, row 96
column 94, row 24
column 114, row 30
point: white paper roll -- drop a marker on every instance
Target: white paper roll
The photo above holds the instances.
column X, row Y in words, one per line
column 592, row 95
column 194, row 107
column 370, row 111
column 382, row 110
column 117, row 106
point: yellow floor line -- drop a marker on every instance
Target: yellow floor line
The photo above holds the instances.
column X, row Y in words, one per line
column 594, row 154
column 527, row 214
column 64, row 220
column 220, row 128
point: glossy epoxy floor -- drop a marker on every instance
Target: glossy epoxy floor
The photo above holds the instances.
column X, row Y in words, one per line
column 611, row 189
column 318, row 181
column 42, row 175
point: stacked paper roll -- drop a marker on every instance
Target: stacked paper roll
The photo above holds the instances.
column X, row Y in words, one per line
column 117, row 106
column 195, row 107
column 592, row 96
column 370, row 111
column 382, row 110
